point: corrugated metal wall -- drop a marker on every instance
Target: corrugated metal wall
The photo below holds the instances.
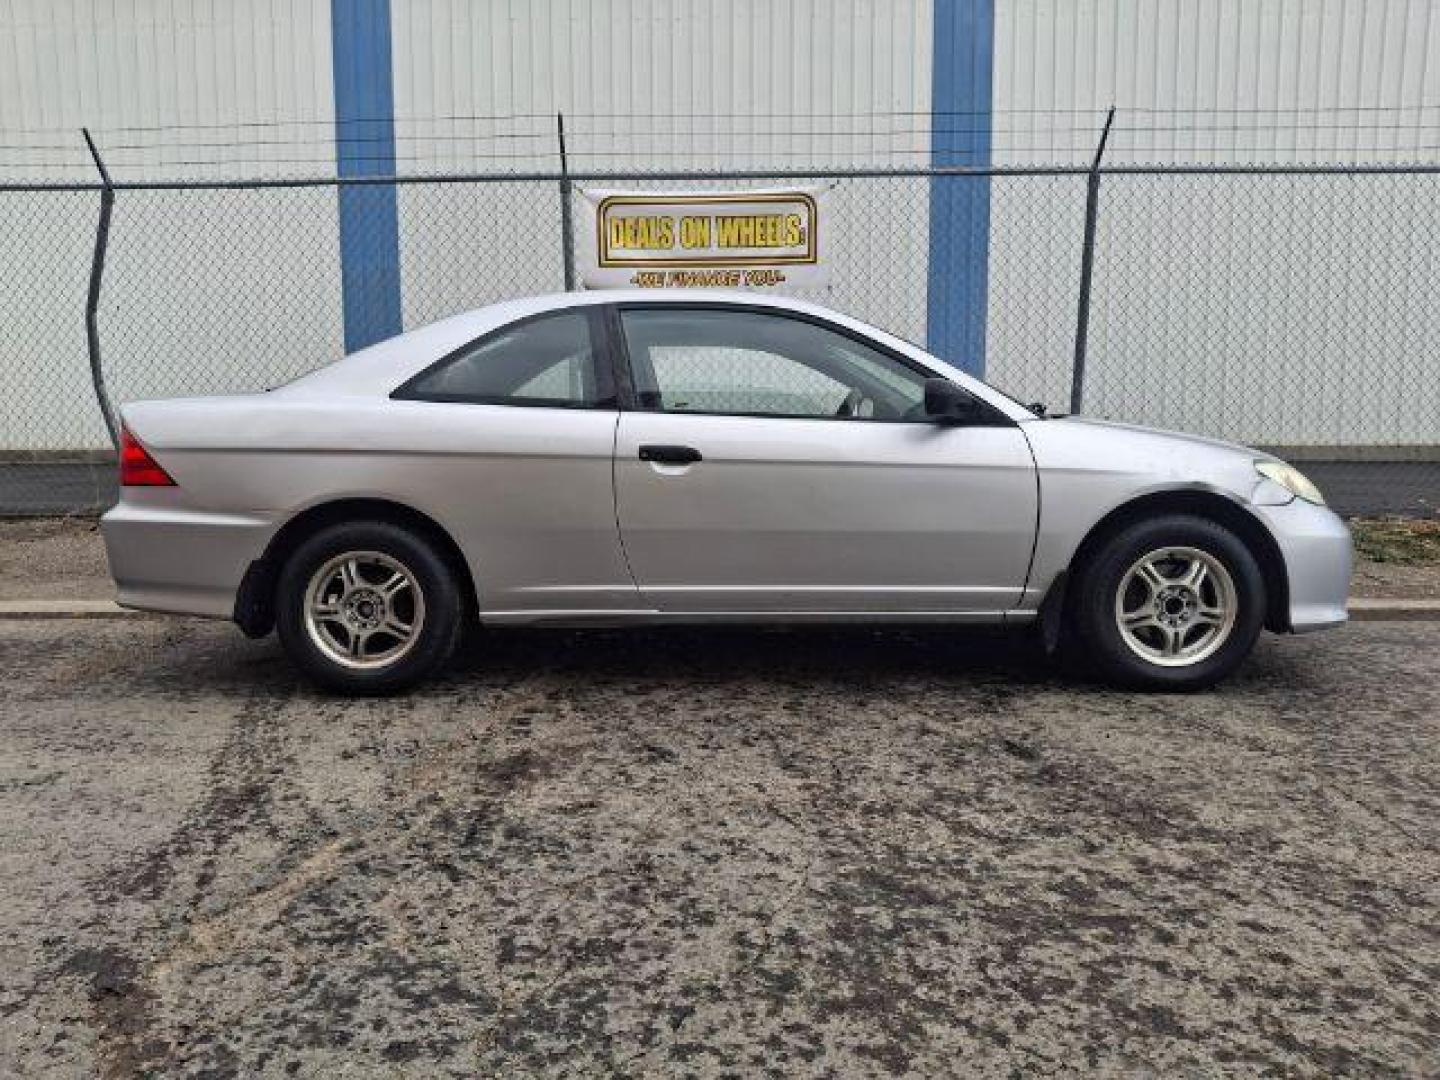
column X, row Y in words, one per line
column 1198, row 284
column 1218, row 80
column 208, row 88
column 170, row 88
column 756, row 79
column 684, row 84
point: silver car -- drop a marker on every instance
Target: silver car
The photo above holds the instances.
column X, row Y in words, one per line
column 628, row 458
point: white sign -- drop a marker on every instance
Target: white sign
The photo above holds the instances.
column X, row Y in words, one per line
column 741, row 239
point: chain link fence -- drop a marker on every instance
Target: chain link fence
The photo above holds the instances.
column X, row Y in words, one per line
column 1285, row 308
column 1297, row 309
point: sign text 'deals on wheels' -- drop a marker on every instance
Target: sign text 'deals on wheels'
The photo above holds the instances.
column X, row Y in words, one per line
column 747, row 239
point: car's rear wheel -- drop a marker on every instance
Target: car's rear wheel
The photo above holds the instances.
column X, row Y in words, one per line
column 368, row 608
column 1174, row 602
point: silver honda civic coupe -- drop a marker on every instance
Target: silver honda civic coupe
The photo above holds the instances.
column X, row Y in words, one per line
column 628, row 458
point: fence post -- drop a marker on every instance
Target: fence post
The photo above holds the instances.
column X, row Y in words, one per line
column 567, row 227
column 1087, row 270
column 92, row 300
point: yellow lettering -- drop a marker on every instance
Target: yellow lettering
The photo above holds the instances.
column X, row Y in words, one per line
column 696, row 279
column 695, row 232
column 760, row 230
column 641, row 233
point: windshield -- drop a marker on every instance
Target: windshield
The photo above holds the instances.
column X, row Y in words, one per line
column 1033, row 409
column 1027, row 406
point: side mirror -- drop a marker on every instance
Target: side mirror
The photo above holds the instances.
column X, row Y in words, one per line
column 946, row 403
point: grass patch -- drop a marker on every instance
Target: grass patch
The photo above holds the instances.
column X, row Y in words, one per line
column 1398, row 541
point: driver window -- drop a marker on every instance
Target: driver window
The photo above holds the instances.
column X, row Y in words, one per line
column 756, row 364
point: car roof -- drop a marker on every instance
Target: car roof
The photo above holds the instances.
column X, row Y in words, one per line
column 509, row 310
column 382, row 366
column 377, row 370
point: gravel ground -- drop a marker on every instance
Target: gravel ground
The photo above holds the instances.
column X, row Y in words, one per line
column 715, row 854
column 60, row 558
column 1388, row 581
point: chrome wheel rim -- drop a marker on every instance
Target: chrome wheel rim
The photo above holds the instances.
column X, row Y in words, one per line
column 364, row 609
column 1176, row 606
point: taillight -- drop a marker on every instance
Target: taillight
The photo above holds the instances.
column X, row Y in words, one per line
column 137, row 467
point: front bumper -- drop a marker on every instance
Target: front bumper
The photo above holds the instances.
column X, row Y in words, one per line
column 173, row 559
column 1316, row 546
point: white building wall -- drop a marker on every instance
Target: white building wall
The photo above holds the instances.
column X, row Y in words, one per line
column 169, row 88
column 1227, row 287
column 1218, row 80
column 686, row 84
column 214, row 291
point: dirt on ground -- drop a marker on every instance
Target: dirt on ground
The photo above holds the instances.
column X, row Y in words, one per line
column 715, row 854
column 711, row 853
column 1397, row 558
column 53, row 558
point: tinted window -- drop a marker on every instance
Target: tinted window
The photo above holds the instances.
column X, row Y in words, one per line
column 754, row 363
column 548, row 360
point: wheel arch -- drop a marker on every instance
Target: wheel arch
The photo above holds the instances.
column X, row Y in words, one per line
column 1201, row 503
column 255, row 599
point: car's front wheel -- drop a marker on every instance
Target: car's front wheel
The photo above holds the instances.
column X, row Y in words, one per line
column 368, row 608
column 1174, row 602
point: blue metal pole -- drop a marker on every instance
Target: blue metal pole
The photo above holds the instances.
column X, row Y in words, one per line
column 365, row 146
column 960, row 135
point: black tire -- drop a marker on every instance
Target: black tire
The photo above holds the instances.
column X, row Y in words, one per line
column 1094, row 624
column 441, row 614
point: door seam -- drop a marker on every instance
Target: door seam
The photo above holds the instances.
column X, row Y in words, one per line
column 615, row 504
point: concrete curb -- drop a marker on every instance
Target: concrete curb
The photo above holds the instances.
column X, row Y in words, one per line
column 1362, row 609
column 1366, row 609
column 65, row 609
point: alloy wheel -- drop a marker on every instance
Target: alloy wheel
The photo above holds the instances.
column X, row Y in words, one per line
column 364, row 609
column 1176, row 606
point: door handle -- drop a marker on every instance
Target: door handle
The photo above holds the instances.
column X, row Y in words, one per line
column 670, row 455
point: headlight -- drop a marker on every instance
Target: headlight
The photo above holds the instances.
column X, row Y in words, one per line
column 1291, row 479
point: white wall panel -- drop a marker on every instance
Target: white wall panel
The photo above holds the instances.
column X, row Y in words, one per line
column 685, row 82
column 1227, row 81
column 1218, row 80
column 647, row 85
column 46, row 400
column 242, row 88
column 169, row 88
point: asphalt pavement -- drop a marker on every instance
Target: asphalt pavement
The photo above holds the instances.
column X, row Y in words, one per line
column 709, row 853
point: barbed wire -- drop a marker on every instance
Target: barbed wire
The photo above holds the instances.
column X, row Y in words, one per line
column 386, row 145
column 549, row 117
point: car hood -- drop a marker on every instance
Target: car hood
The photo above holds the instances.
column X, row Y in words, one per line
column 1170, row 437
column 1148, row 459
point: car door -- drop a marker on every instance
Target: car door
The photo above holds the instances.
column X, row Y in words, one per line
column 774, row 463
column 511, row 442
